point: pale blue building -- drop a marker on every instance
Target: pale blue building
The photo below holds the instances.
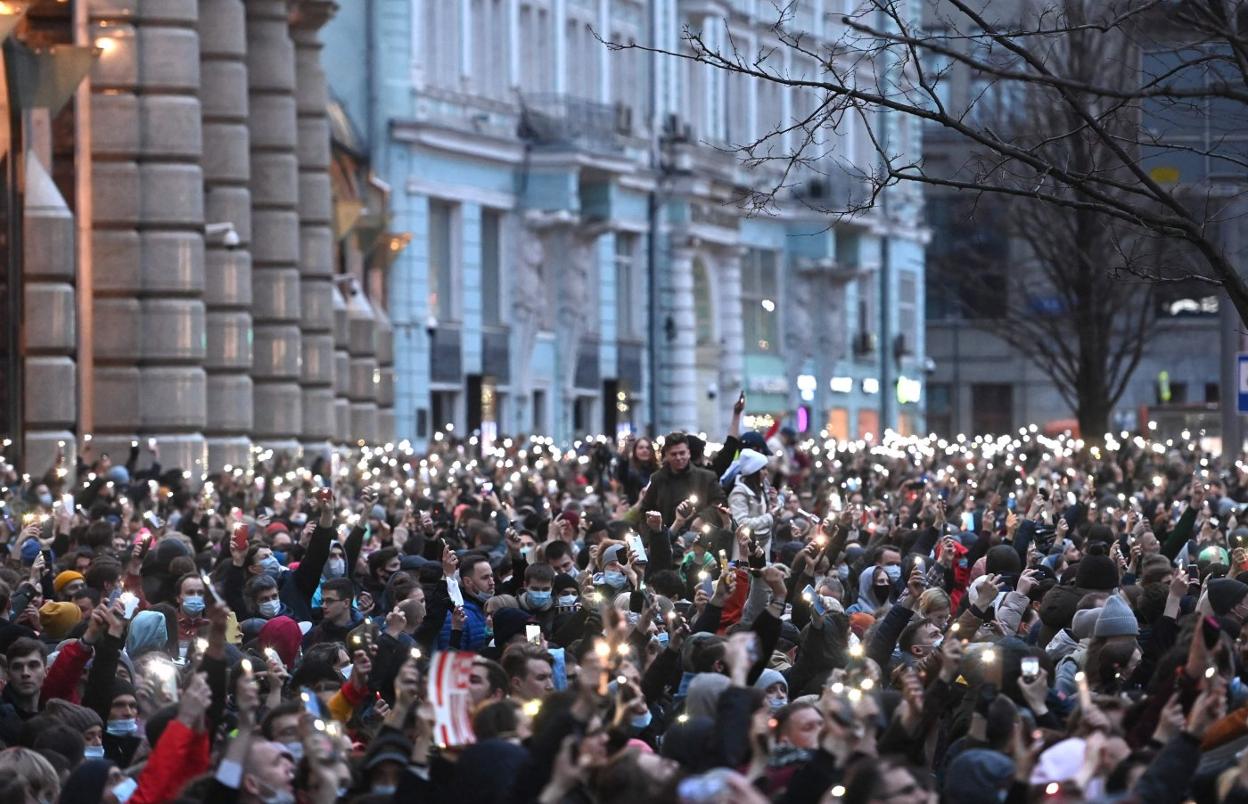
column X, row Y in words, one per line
column 577, row 263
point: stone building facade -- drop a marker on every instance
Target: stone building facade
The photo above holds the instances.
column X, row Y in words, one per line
column 578, row 263
column 181, row 270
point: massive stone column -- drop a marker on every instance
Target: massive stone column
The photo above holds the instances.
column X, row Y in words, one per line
column 678, row 402
column 316, row 236
column 115, row 236
column 732, row 353
column 227, row 199
column 148, row 230
column 277, row 357
column 49, row 319
column 385, row 376
column 171, row 233
column 342, row 368
column 362, row 346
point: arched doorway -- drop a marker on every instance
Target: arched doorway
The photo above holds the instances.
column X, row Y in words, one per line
column 707, row 348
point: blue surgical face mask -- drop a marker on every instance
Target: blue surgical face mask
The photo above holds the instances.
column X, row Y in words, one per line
column 774, row 702
column 93, row 752
column 45, row 500
column 123, row 728
column 893, row 571
column 538, row 600
column 272, row 567
column 567, row 601
column 193, row 606
column 616, row 580
column 270, row 608
column 299, row 520
column 295, row 749
column 335, row 568
column 662, row 637
column 280, row 555
column 640, row 722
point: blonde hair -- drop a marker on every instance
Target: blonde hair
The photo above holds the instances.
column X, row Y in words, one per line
column 33, row 770
column 497, row 602
column 933, row 599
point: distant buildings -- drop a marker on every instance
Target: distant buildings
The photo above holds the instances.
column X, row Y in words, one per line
column 982, row 385
column 576, row 263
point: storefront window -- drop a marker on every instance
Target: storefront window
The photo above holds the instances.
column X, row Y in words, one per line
column 759, row 302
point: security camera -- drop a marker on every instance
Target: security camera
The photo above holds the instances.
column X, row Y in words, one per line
column 712, row 390
column 431, row 325
column 929, row 366
column 225, row 231
column 347, row 284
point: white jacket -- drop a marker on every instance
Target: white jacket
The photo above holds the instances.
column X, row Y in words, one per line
column 750, row 510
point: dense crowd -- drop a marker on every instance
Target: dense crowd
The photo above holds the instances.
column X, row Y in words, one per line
column 769, row 619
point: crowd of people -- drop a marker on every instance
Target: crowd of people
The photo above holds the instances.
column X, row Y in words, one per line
column 767, row 619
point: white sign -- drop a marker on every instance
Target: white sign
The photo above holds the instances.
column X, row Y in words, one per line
column 768, row 385
column 807, row 383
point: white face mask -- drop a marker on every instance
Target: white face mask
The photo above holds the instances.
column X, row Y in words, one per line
column 124, row 790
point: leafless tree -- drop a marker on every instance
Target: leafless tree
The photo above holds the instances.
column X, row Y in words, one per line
column 1158, row 63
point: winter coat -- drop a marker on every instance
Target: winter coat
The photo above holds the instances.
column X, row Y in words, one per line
column 669, row 489
column 749, row 510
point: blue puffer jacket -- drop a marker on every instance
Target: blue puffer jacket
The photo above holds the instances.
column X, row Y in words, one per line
column 474, row 637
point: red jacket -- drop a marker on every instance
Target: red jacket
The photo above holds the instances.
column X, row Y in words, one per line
column 961, row 574
column 179, row 756
column 65, row 673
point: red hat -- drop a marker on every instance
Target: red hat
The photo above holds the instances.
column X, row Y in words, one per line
column 859, row 622
column 283, row 635
column 276, row 527
column 573, row 517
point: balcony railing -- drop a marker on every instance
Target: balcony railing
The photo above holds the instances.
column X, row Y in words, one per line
column 563, row 120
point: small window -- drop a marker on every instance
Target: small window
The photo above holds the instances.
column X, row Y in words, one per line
column 491, row 270
column 441, row 260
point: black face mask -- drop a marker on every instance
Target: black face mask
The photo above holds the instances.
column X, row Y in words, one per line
column 881, row 592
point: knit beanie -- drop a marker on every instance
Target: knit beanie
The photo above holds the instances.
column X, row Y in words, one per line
column 87, row 783
column 148, row 631
column 57, row 618
column 509, row 623
column 78, row 718
column 1084, row 623
column 564, row 581
column 977, row 775
column 769, row 677
column 30, row 551
column 1116, row 619
column 1225, row 594
column 283, row 635
column 1002, row 559
column 65, row 579
column 1097, row 572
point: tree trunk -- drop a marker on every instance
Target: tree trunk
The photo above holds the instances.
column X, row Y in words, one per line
column 1093, row 408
